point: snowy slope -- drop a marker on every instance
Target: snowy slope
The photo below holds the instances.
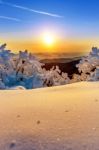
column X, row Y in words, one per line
column 56, row 118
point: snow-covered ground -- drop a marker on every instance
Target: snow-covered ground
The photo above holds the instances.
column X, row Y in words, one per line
column 56, row 118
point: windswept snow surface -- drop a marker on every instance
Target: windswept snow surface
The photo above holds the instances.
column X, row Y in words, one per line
column 55, row 118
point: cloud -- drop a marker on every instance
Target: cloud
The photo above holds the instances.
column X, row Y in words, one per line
column 9, row 18
column 31, row 10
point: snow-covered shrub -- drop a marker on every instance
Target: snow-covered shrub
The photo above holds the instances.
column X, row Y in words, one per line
column 54, row 77
column 78, row 78
column 25, row 70
column 2, row 85
column 94, row 76
column 89, row 66
column 75, row 78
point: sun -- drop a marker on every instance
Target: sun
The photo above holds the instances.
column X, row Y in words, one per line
column 48, row 39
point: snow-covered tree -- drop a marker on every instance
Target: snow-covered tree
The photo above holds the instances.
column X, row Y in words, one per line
column 25, row 70
column 89, row 66
column 94, row 76
column 54, row 77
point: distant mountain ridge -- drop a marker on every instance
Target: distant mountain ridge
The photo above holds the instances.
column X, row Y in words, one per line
column 60, row 60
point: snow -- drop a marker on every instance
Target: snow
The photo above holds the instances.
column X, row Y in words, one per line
column 54, row 118
column 90, row 62
column 88, row 67
column 24, row 69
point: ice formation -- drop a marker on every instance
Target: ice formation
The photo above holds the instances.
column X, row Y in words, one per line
column 89, row 66
column 25, row 70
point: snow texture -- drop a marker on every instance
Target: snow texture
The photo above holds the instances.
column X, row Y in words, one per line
column 56, row 118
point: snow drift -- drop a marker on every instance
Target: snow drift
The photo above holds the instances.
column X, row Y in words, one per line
column 55, row 118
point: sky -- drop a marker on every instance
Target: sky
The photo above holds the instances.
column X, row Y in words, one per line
column 73, row 25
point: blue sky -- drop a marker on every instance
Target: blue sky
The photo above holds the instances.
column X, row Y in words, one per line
column 80, row 19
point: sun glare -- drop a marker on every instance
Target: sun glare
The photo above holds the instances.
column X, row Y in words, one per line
column 48, row 39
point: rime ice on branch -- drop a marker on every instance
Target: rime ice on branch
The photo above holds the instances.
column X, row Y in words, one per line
column 89, row 66
column 24, row 70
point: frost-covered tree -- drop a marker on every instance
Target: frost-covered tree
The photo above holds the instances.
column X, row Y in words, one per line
column 79, row 78
column 89, row 66
column 94, row 76
column 55, row 77
column 25, row 70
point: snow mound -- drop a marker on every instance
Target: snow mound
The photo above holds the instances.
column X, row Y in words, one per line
column 54, row 118
column 18, row 88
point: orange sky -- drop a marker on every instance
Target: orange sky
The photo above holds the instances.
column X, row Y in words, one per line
column 36, row 46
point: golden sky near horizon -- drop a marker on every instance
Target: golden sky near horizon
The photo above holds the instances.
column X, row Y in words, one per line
column 53, row 26
column 48, row 46
column 48, row 42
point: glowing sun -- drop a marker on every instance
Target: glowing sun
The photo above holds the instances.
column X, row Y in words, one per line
column 48, row 39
